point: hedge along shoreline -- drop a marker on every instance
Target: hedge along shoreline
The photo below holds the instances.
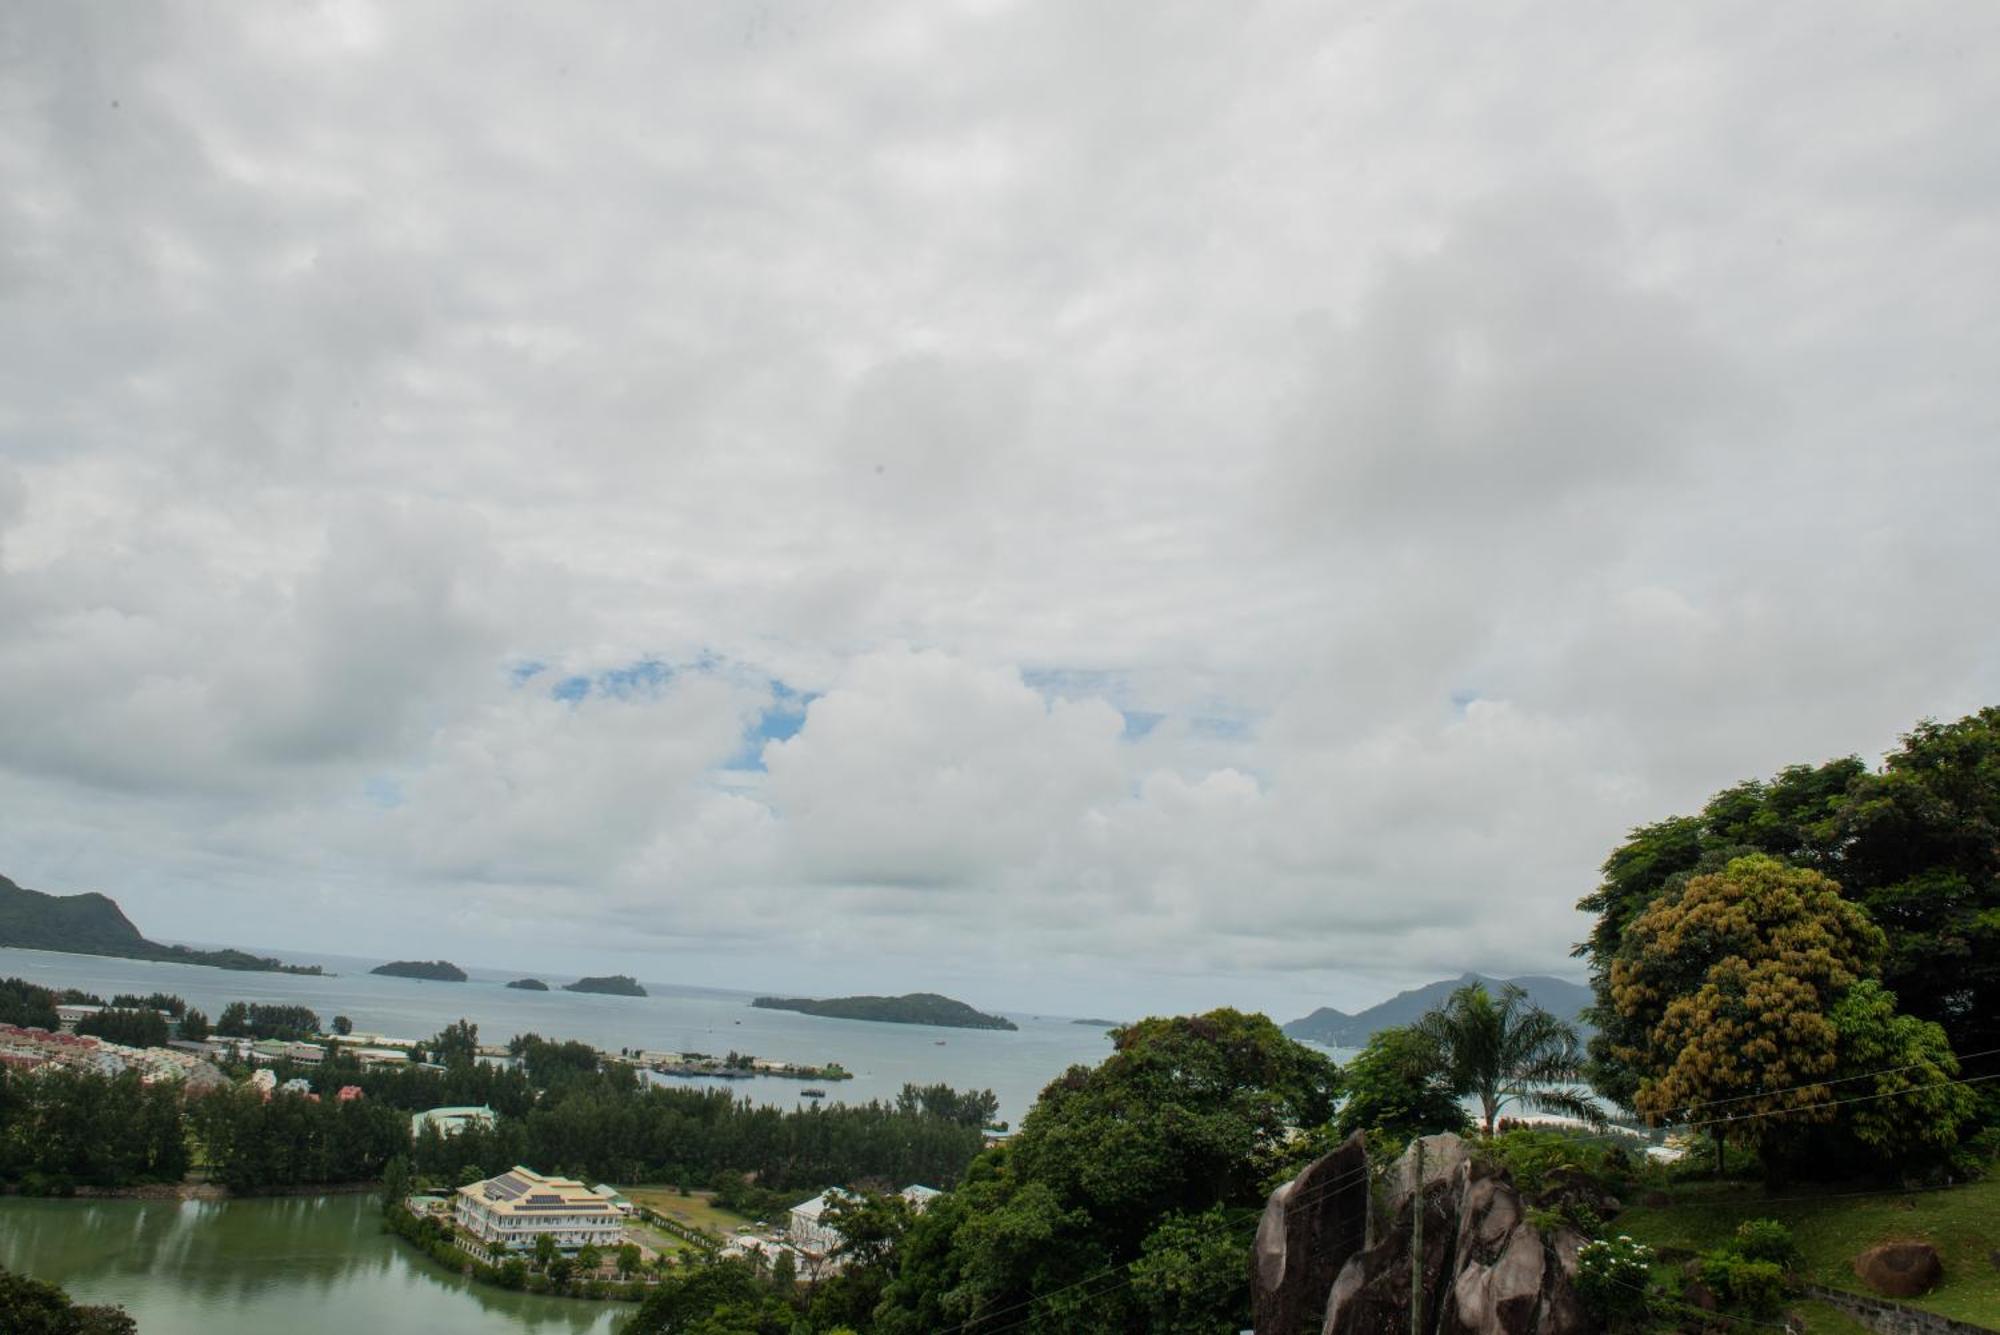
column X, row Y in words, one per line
column 438, row 1241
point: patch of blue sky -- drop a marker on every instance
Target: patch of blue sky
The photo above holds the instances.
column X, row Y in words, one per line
column 1461, row 700
column 646, row 675
column 642, row 676
column 1140, row 722
column 1074, row 683
column 527, row 671
column 779, row 721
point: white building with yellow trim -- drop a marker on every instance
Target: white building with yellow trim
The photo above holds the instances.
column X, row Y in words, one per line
column 508, row 1212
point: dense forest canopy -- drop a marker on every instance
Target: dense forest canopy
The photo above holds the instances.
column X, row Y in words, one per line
column 1829, row 921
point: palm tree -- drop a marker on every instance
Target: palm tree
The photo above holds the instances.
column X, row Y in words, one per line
column 1507, row 1051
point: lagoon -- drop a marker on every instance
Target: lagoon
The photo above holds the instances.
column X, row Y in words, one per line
column 304, row 1265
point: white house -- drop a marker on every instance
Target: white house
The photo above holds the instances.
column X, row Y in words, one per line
column 508, row 1212
column 812, row 1231
column 450, row 1121
column 809, row 1230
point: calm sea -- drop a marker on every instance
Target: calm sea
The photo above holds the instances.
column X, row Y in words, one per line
column 1015, row 1066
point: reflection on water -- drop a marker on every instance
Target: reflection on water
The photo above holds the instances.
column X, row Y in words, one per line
column 304, row 1265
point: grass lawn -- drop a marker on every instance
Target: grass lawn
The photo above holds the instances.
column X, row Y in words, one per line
column 696, row 1211
column 1831, row 1229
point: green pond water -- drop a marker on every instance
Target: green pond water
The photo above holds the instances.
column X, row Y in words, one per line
column 296, row 1265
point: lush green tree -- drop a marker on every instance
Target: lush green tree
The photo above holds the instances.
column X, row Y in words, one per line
column 1901, row 1074
column 194, row 1026
column 455, row 1043
column 1916, row 844
column 1506, row 1051
column 152, row 1001
column 397, row 1182
column 871, row 1226
column 1794, row 816
column 971, row 1108
column 1186, row 1115
column 718, row 1298
column 30, row 1307
column 342, row 1025
column 545, row 1250
column 133, row 1028
column 1186, row 1281
column 27, row 1004
column 1921, row 852
column 628, row 1259
column 1731, row 981
column 1396, row 1085
column 261, row 1020
column 589, row 1258
column 254, row 1145
column 82, row 1127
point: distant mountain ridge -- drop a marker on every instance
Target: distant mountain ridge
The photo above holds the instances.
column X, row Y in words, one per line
column 93, row 924
column 1337, row 1029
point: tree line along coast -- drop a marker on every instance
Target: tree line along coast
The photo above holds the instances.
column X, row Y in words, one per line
column 1785, row 1093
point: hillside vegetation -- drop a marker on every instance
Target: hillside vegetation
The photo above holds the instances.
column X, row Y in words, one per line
column 613, row 985
column 439, row 971
column 1832, row 1227
column 912, row 1008
column 93, row 924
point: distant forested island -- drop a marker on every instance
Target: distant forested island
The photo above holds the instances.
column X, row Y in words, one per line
column 529, row 985
column 438, row 971
column 1101, row 1024
column 93, row 924
column 617, row 985
column 913, row 1008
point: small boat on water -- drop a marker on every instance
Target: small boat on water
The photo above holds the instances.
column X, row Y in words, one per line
column 813, row 1093
column 940, row 1042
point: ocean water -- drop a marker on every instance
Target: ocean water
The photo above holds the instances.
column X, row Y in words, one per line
column 883, row 1057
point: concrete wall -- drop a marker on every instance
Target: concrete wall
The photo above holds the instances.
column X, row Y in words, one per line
column 1887, row 1317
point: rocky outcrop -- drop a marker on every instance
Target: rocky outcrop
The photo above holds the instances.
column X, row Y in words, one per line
column 1900, row 1269
column 1485, row 1268
column 1311, row 1225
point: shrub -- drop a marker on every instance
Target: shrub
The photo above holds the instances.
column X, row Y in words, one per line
column 1613, row 1277
column 1755, row 1288
column 1768, row 1240
column 1532, row 1157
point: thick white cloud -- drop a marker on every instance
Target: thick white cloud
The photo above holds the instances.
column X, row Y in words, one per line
column 1126, row 505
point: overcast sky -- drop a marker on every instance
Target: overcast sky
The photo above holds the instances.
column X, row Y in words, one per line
column 1092, row 506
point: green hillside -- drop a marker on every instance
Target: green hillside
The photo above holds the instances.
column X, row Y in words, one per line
column 93, row 924
column 1834, row 1226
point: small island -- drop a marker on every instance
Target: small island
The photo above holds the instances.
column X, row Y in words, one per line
column 529, row 985
column 913, row 1008
column 437, row 971
column 617, row 985
column 1101, row 1024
